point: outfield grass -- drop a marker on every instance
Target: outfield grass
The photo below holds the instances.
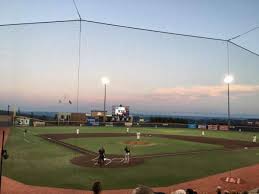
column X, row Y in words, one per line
column 245, row 136
column 116, row 145
column 39, row 162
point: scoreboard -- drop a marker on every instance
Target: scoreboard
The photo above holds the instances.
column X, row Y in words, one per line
column 120, row 113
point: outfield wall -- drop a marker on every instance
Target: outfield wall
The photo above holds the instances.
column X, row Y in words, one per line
column 167, row 125
column 245, row 128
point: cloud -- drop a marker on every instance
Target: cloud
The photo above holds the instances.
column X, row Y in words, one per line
column 198, row 92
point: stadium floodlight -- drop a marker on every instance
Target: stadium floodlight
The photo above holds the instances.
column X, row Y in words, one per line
column 105, row 82
column 228, row 80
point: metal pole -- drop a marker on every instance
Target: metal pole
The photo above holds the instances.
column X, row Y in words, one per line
column 228, row 86
column 230, row 172
column 228, row 109
column 8, row 109
column 79, row 65
column 1, row 165
column 104, row 105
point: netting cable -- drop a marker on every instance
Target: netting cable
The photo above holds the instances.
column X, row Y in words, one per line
column 78, row 13
column 79, row 65
column 134, row 28
column 242, row 34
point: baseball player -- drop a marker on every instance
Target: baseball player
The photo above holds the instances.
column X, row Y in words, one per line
column 127, row 130
column 77, row 131
column 101, row 158
column 138, row 135
column 254, row 139
column 203, row 133
column 127, row 155
column 24, row 133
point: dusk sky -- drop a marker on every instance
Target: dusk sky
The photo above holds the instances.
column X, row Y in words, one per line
column 152, row 73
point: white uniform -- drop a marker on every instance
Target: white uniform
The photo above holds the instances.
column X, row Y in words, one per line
column 127, row 130
column 138, row 135
column 127, row 155
column 254, row 139
column 202, row 133
column 77, row 131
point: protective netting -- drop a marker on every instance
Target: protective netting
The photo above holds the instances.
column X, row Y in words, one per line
column 57, row 66
column 245, row 88
column 38, row 66
column 153, row 73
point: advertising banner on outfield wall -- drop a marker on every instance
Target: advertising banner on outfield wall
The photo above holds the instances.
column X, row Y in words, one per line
column 39, row 124
column 128, row 124
column 192, row 126
column 22, row 121
column 223, row 128
column 202, row 126
column 212, row 127
column 92, row 122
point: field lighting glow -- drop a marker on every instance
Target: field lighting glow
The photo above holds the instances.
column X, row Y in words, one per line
column 105, row 80
column 228, row 79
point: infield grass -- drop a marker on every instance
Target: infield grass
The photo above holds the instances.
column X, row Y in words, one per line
column 244, row 136
column 116, row 145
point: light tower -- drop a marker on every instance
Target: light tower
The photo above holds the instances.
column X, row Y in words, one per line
column 228, row 80
column 105, row 82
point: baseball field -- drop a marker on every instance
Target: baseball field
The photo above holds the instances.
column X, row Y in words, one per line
column 58, row 157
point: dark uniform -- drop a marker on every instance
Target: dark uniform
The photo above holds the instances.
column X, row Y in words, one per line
column 127, row 154
column 101, row 156
column 127, row 150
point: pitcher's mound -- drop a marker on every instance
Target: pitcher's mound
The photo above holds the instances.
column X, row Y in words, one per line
column 146, row 143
